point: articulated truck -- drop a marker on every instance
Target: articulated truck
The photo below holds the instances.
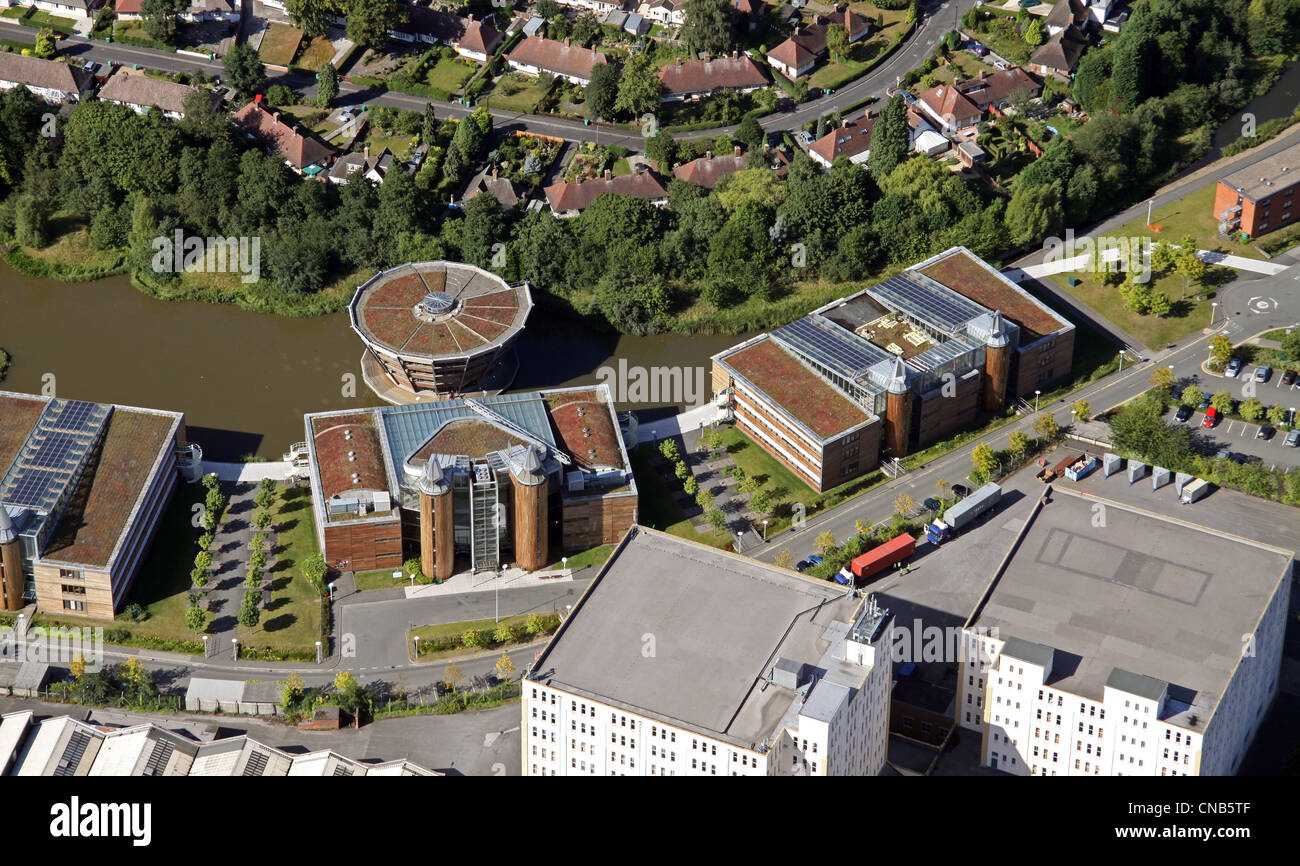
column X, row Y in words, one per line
column 877, row 559
column 964, row 513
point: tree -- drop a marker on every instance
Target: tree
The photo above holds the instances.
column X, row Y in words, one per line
column 1035, row 212
column 1192, row 396
column 1251, row 409
column 668, row 448
column 1081, row 410
column 889, row 139
column 132, row 673
column 825, row 542
column 370, row 20
column 784, row 558
column 196, row 619
column 533, row 624
column 984, row 460
column 294, row 686
column 1018, row 444
column 1162, row 377
column 639, row 87
column 348, row 693
column 1188, row 266
column 837, row 41
column 704, row 499
column 602, row 91
column 681, row 471
column 904, row 504
column 1045, row 426
column 1222, row 402
column 471, row 638
column 1220, row 348
column 750, row 133
column 708, row 26
column 311, row 16
column 1034, row 34
column 505, row 666
column 77, row 667
column 1276, row 415
column 452, row 676
column 1290, row 345
column 662, row 149
column 327, row 85
column 46, row 47
column 160, row 19
column 32, row 226
column 249, row 611
column 244, row 70
column 691, row 486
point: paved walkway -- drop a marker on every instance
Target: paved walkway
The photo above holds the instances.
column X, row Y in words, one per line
column 230, row 551
column 676, row 425
column 1083, row 262
column 248, row 473
column 510, row 578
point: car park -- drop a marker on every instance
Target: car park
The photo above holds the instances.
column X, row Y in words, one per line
column 1288, row 378
column 1265, row 432
column 1293, row 439
column 1211, row 417
column 815, row 559
column 803, row 565
column 1184, row 412
column 1262, row 374
column 1203, row 405
column 1233, row 368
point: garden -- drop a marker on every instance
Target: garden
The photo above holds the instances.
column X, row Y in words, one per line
column 279, row 44
column 525, row 158
column 475, row 636
column 593, row 160
column 515, row 91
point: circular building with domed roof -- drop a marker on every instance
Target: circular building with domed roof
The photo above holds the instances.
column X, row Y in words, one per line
column 438, row 329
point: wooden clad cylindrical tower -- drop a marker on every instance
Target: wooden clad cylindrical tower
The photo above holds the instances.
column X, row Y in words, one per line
column 898, row 412
column 11, row 564
column 530, row 512
column 437, row 544
column 997, row 366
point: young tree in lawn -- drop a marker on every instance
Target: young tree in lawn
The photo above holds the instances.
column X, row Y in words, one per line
column 196, row 619
column 1188, row 265
column 327, row 85
column 249, row 611
column 244, row 70
column 837, row 41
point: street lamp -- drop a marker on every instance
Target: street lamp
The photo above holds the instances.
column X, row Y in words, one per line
column 564, row 563
column 205, row 646
column 318, row 652
column 1036, row 393
column 765, row 532
column 417, row 647
column 331, row 590
column 234, row 648
column 1214, row 305
column 496, row 591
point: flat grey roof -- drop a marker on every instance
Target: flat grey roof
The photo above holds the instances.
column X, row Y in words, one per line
column 1267, row 176
column 1140, row 593
column 684, row 633
column 1027, row 651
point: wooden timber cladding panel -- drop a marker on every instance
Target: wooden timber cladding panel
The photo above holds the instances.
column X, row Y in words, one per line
column 597, row 520
column 365, row 545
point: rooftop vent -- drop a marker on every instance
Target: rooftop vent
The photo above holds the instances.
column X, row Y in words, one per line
column 582, row 410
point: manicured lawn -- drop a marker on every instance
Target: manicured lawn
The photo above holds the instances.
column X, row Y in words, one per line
column 400, row 145
column 30, row 16
column 164, row 578
column 456, row 629
column 280, row 44
column 451, row 631
column 587, row 558
column 292, row 620
column 865, row 54
column 450, row 74
column 515, row 92
column 315, row 54
column 133, row 32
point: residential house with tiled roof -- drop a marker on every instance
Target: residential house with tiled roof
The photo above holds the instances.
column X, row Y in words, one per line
column 536, row 55
column 707, row 170
column 570, row 198
column 959, row 106
column 694, row 79
column 851, row 139
column 141, row 92
column 51, row 80
column 503, row 189
column 479, row 40
column 129, row 10
column 664, row 12
column 796, row 56
column 373, row 167
column 303, row 153
column 64, row 8
column 1059, row 55
column 1065, row 13
column 211, row 10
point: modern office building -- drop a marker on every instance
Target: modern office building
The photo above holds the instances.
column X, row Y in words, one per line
column 683, row 660
column 470, row 484
column 436, row 328
column 1116, row 641
column 1258, row 199
column 83, row 488
column 892, row 368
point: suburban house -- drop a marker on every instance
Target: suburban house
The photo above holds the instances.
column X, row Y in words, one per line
column 796, row 56
column 709, row 169
column 503, row 189
column 470, row 37
column 665, row 12
column 63, row 8
column 600, row 8
column 748, row 13
column 537, row 54
column 694, row 79
column 570, row 198
column 49, row 79
column 372, row 168
column 852, row 138
column 304, row 154
column 1065, row 13
column 211, row 10
column 133, row 10
column 1059, row 55
column 479, row 40
column 959, row 106
column 140, row 92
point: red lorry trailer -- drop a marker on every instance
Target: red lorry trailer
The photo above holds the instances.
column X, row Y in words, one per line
column 882, row 556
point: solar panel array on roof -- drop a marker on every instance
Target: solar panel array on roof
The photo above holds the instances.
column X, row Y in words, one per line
column 256, row 765
column 72, row 755
column 409, row 427
column 831, row 346
column 927, row 300
column 55, row 451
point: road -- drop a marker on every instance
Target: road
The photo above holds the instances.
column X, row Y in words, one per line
column 937, row 19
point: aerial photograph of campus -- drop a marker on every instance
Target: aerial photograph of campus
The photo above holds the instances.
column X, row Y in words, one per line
column 651, row 388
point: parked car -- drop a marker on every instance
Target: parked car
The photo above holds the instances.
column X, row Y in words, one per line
column 1293, row 439
column 815, row 559
column 1233, row 368
column 1262, row 373
column 90, row 66
column 1203, row 405
column 1223, row 454
column 1211, row 417
column 1265, row 433
column 1288, row 378
column 1000, row 64
column 978, row 50
column 1184, row 412
column 805, row 136
column 803, row 565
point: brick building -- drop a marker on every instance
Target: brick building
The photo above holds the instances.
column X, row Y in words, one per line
column 470, row 483
column 1257, row 199
column 892, row 368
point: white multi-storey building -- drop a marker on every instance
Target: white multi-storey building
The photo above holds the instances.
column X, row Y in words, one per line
column 681, row 660
column 1115, row 641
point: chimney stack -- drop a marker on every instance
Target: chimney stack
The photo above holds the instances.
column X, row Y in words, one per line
column 494, row 172
column 735, row 150
column 566, row 42
column 608, row 175
column 366, row 153
column 708, row 154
